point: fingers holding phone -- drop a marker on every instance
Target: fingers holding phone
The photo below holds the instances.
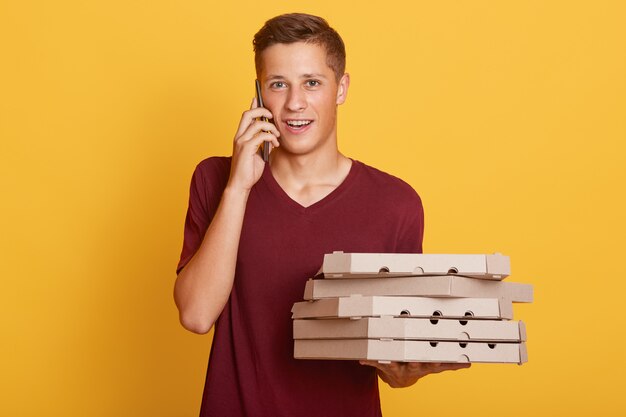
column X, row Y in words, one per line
column 247, row 165
column 254, row 114
column 254, row 123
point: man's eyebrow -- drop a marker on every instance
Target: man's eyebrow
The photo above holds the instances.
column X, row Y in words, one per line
column 313, row 76
column 281, row 77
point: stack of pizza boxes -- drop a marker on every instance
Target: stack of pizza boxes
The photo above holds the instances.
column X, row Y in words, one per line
column 411, row 308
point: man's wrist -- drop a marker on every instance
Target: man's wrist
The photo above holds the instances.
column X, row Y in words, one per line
column 236, row 193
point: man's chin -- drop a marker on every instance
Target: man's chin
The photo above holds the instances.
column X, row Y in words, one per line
column 300, row 145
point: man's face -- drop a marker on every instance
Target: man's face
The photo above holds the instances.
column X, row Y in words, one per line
column 302, row 93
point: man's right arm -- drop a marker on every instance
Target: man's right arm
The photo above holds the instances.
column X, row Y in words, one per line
column 203, row 286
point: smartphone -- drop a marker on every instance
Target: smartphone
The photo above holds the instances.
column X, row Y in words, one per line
column 259, row 100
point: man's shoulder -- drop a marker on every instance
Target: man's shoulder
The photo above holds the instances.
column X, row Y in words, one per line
column 383, row 183
column 214, row 165
column 211, row 175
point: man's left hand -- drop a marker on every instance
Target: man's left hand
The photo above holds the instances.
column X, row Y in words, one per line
column 405, row 374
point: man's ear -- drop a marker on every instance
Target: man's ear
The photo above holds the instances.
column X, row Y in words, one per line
column 342, row 89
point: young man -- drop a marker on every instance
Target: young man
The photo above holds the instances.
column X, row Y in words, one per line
column 255, row 232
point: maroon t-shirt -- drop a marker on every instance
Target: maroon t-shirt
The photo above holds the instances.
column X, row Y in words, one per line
column 251, row 369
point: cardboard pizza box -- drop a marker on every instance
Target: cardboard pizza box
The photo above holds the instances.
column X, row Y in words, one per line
column 411, row 329
column 376, row 265
column 410, row 351
column 424, row 307
column 425, row 286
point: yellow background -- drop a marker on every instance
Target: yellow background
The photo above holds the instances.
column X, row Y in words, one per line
column 508, row 117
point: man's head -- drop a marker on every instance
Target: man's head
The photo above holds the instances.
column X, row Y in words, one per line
column 300, row 27
column 300, row 63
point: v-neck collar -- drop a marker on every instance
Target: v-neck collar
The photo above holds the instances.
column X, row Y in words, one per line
column 277, row 190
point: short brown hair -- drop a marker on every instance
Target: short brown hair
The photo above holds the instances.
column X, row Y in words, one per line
column 301, row 27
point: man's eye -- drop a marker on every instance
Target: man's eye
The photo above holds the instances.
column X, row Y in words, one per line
column 278, row 84
column 312, row 83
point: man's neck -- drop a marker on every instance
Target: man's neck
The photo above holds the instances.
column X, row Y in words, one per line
column 309, row 178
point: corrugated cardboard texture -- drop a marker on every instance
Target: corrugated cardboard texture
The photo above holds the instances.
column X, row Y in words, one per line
column 440, row 286
column 375, row 306
column 410, row 351
column 410, row 329
column 372, row 265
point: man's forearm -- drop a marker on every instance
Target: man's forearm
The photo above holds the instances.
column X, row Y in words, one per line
column 203, row 286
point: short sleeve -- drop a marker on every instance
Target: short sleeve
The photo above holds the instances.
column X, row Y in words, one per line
column 411, row 234
column 207, row 186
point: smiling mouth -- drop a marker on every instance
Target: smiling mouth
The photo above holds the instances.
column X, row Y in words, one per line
column 298, row 124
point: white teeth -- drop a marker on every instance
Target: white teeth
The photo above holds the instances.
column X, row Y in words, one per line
column 298, row 122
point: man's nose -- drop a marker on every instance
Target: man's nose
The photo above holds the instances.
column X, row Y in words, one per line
column 296, row 100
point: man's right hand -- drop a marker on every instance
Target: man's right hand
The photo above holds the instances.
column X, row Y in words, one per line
column 247, row 165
